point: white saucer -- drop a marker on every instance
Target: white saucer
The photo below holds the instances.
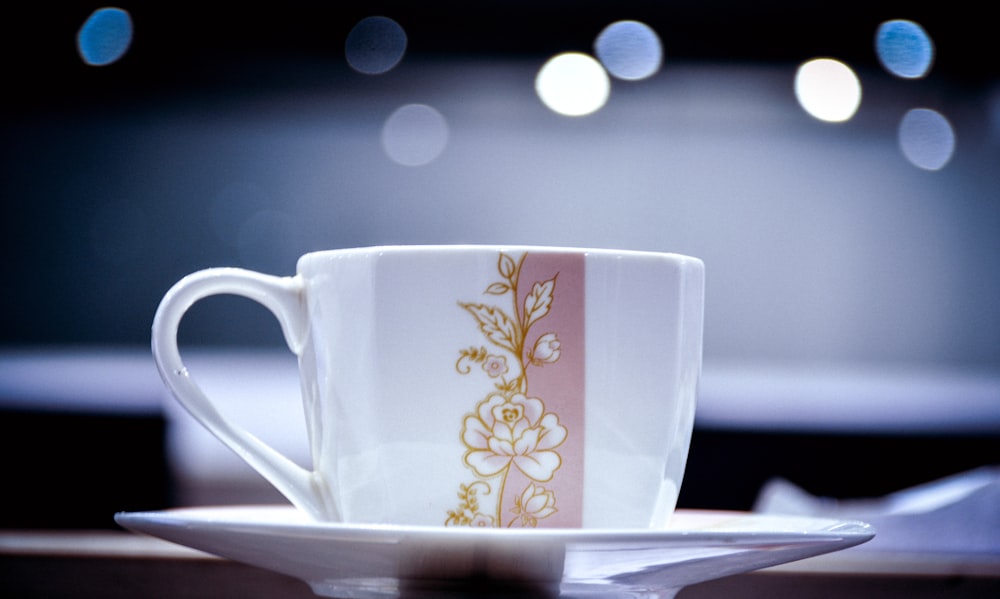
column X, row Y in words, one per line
column 378, row 561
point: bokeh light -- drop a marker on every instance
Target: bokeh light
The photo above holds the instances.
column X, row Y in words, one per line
column 573, row 84
column 828, row 89
column 904, row 48
column 926, row 138
column 414, row 135
column 104, row 37
column 375, row 45
column 629, row 50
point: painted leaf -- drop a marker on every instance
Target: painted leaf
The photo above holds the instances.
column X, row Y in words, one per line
column 539, row 301
column 506, row 266
column 497, row 326
column 498, row 289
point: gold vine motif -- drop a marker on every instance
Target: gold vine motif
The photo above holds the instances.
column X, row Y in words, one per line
column 508, row 429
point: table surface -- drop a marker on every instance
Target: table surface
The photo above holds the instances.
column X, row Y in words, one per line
column 113, row 564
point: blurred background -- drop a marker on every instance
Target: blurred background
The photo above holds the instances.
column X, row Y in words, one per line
column 847, row 209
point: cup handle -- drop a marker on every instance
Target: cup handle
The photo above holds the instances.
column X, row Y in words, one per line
column 283, row 296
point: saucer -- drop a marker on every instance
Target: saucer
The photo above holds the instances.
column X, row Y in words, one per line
column 380, row 561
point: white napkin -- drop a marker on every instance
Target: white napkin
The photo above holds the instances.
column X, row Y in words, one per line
column 958, row 514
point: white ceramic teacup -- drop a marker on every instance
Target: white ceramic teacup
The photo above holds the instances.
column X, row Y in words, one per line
column 493, row 386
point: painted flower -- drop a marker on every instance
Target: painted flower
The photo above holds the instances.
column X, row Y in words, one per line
column 495, row 366
column 481, row 521
column 534, row 504
column 546, row 350
column 513, row 431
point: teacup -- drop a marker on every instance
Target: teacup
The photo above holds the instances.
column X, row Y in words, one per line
column 483, row 386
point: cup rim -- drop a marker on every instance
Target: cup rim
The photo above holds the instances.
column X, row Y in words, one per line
column 621, row 253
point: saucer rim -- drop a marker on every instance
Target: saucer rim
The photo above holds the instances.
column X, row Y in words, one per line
column 292, row 522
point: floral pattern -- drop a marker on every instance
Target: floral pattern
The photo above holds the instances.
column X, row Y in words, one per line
column 508, row 431
column 513, row 431
column 534, row 503
column 495, row 366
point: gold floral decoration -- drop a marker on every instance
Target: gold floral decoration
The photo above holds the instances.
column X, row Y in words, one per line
column 508, row 430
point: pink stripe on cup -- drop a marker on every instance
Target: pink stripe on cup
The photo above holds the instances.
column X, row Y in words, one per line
column 559, row 383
